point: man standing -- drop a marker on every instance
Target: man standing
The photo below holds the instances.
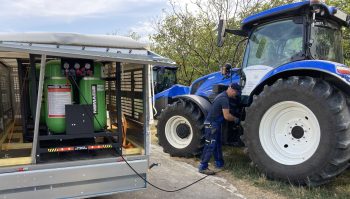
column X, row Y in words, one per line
column 220, row 111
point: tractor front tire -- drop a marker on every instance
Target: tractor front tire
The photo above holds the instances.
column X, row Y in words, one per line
column 180, row 129
column 297, row 130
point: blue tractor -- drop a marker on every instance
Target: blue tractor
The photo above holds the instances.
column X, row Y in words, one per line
column 295, row 100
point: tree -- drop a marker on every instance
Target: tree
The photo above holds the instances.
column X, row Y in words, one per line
column 190, row 38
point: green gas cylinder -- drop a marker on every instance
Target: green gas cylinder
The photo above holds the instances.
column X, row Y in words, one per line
column 53, row 69
column 92, row 91
column 57, row 93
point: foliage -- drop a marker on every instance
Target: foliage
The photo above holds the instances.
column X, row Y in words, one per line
column 190, row 38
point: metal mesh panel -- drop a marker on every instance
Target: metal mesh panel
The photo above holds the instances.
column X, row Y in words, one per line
column 16, row 94
column 5, row 90
column 131, row 90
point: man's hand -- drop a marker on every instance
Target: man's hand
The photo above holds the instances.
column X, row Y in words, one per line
column 228, row 116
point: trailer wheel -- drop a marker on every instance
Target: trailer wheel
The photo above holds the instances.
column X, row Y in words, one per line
column 297, row 130
column 180, row 129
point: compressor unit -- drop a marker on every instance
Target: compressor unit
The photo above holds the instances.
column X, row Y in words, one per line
column 73, row 106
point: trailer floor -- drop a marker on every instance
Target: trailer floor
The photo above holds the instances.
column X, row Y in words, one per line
column 172, row 174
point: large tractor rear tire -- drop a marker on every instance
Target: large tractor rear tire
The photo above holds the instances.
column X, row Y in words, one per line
column 180, row 129
column 297, row 130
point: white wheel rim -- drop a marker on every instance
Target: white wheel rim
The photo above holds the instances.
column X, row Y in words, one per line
column 279, row 133
column 171, row 134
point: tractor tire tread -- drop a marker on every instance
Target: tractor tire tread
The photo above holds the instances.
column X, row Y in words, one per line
column 194, row 115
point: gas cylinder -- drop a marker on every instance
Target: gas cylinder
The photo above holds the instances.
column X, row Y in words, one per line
column 92, row 91
column 57, row 93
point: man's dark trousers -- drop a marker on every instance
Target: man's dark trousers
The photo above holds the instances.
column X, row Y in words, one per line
column 213, row 145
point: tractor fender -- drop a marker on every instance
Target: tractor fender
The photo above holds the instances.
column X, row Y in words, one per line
column 312, row 68
column 201, row 102
column 162, row 99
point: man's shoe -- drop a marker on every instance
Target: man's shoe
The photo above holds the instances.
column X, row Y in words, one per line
column 207, row 172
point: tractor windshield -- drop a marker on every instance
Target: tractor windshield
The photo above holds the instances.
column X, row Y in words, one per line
column 274, row 44
column 164, row 78
column 326, row 41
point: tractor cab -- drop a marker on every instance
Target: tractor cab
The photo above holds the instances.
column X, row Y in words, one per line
column 164, row 77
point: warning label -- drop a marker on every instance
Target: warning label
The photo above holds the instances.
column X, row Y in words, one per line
column 58, row 97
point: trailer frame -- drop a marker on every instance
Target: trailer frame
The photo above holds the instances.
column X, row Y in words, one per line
column 81, row 178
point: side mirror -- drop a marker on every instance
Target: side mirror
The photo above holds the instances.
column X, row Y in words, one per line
column 221, row 32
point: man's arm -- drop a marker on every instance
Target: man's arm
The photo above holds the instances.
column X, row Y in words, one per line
column 228, row 116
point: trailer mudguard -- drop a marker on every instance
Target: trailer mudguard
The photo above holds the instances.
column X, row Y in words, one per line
column 201, row 102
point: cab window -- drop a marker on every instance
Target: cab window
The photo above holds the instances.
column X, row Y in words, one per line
column 274, row 44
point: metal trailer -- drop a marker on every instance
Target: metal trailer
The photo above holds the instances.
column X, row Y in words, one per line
column 81, row 178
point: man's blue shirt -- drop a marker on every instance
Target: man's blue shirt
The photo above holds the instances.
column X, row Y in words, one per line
column 215, row 114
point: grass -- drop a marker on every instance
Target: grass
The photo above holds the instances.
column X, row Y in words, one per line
column 239, row 165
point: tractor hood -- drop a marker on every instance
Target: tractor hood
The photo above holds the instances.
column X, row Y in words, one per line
column 173, row 91
column 204, row 85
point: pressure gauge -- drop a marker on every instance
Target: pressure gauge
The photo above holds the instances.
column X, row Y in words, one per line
column 87, row 66
column 76, row 65
column 66, row 65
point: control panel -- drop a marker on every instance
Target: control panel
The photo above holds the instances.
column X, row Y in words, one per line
column 77, row 67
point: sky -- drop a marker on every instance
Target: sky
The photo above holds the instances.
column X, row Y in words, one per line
column 81, row 16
